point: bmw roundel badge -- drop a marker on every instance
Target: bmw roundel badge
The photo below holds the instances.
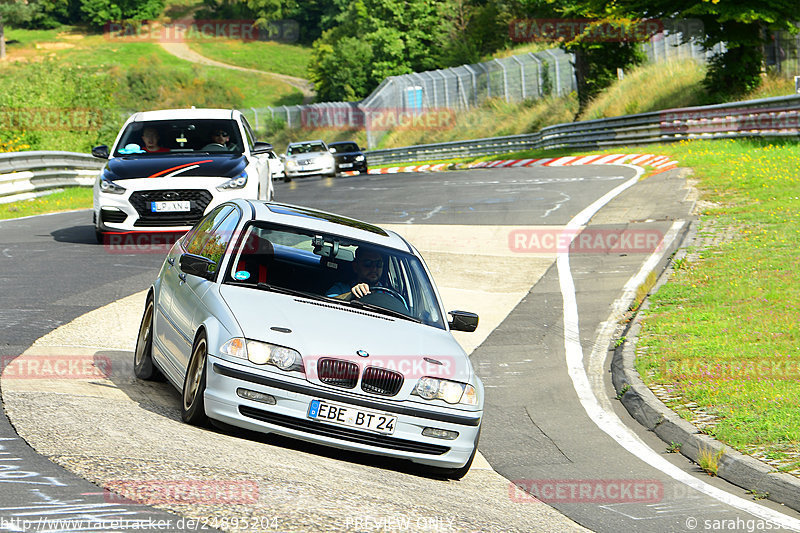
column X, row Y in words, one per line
column 362, row 353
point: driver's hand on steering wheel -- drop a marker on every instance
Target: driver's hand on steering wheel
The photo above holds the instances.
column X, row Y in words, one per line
column 360, row 290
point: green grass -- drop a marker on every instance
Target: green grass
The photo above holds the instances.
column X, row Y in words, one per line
column 289, row 59
column 66, row 200
column 724, row 333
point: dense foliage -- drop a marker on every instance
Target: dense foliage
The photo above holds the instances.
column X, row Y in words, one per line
column 358, row 43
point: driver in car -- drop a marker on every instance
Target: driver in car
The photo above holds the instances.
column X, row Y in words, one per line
column 368, row 268
column 222, row 137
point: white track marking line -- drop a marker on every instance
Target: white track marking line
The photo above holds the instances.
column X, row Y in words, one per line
column 608, row 421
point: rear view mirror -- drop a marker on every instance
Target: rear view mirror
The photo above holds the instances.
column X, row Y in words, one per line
column 100, row 151
column 197, row 265
column 463, row 321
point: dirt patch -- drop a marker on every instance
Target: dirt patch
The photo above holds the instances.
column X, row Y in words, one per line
column 53, row 46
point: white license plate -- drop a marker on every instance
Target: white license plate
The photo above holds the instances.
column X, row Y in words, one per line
column 344, row 415
column 346, row 165
column 173, row 206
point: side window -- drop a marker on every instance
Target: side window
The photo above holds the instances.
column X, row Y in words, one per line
column 199, row 236
column 248, row 131
column 218, row 240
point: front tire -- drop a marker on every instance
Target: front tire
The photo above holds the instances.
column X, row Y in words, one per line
column 143, row 366
column 458, row 473
column 193, row 409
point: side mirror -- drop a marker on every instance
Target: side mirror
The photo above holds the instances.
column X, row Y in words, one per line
column 261, row 147
column 198, row 265
column 100, row 152
column 463, row 321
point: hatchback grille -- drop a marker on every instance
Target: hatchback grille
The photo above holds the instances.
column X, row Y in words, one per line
column 198, row 198
column 379, row 380
column 337, row 372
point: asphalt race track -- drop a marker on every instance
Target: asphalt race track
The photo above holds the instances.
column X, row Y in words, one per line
column 485, row 233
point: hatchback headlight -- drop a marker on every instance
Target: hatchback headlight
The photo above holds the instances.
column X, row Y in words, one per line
column 291, row 163
column 234, row 183
column 106, row 185
column 443, row 389
column 359, row 158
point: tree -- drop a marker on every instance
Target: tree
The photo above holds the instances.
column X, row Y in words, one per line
column 13, row 12
column 740, row 24
column 373, row 39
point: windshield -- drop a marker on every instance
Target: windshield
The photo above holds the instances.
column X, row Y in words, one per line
column 180, row 136
column 305, row 148
column 344, row 147
column 289, row 259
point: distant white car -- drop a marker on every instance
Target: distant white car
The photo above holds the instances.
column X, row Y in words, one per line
column 309, row 158
column 168, row 168
column 246, row 319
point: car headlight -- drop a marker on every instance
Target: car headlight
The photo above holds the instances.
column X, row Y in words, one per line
column 263, row 353
column 291, row 163
column 234, row 183
column 359, row 158
column 443, row 389
column 106, row 185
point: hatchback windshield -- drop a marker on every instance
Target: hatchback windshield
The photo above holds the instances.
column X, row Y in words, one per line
column 323, row 266
column 180, row 136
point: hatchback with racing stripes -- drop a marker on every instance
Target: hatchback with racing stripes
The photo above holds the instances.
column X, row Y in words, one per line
column 283, row 319
column 168, row 168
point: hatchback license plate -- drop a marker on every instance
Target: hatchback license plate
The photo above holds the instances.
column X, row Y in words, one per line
column 346, row 165
column 355, row 418
column 173, row 206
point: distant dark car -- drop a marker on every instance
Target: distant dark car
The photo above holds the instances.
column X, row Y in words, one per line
column 348, row 156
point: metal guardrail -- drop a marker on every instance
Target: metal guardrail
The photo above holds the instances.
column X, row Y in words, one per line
column 24, row 173
column 778, row 117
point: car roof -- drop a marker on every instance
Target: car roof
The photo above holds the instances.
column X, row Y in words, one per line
column 177, row 114
column 342, row 142
column 307, row 142
column 325, row 222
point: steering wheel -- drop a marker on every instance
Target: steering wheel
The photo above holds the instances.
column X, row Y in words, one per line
column 391, row 292
column 214, row 147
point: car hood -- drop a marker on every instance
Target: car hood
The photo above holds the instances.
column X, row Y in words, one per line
column 153, row 166
column 321, row 329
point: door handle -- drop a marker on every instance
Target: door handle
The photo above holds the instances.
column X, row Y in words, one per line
column 171, row 261
column 182, row 277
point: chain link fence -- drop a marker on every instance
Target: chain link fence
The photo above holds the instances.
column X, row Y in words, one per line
column 402, row 100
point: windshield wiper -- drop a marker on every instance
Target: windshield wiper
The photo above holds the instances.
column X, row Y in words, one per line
column 383, row 310
column 274, row 288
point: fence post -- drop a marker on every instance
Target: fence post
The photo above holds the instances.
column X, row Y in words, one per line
column 474, row 83
column 538, row 72
column 521, row 73
column 557, row 68
column 288, row 117
column 505, row 78
column 255, row 116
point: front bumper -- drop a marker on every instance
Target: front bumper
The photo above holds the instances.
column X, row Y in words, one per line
column 309, row 170
column 289, row 417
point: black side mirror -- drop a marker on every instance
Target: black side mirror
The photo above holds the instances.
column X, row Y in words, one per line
column 100, row 152
column 463, row 321
column 198, row 265
column 261, row 147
